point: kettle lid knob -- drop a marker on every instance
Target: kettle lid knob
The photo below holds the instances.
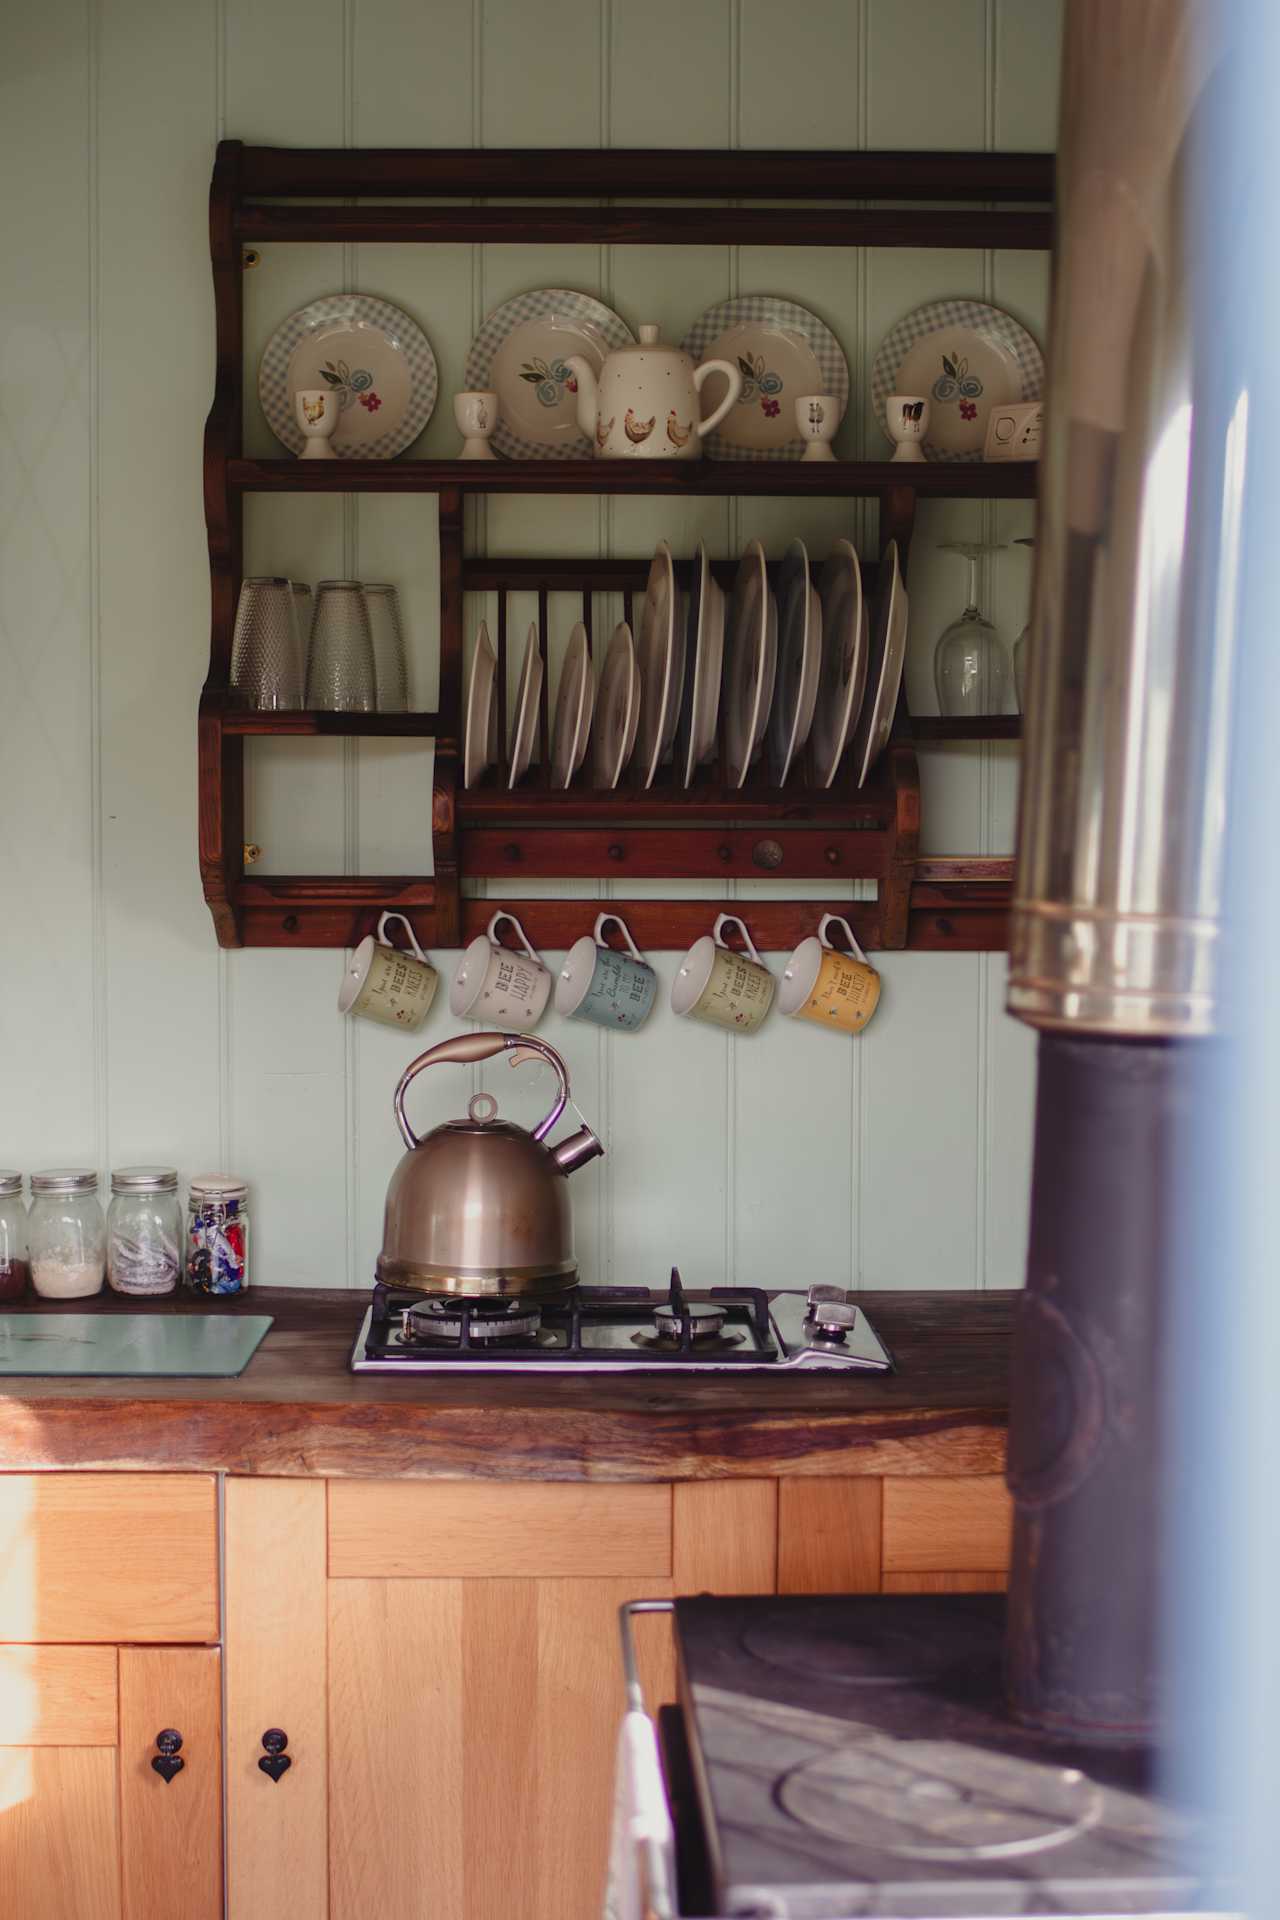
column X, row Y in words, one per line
column 481, row 1109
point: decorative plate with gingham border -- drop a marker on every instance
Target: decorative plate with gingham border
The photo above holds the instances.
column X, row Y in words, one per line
column 964, row 358
column 377, row 360
column 519, row 354
column 782, row 351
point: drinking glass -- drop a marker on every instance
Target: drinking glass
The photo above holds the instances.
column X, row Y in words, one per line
column 389, row 669
column 1020, row 648
column 340, row 673
column 266, row 651
column 970, row 666
column 304, row 608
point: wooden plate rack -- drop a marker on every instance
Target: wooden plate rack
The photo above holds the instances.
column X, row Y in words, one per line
column 799, row 832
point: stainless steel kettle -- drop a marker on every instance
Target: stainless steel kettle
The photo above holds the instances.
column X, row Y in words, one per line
column 479, row 1207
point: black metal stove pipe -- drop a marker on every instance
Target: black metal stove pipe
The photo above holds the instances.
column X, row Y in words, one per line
column 1114, row 1127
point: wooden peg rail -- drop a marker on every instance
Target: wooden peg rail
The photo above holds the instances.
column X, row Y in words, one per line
column 804, row 832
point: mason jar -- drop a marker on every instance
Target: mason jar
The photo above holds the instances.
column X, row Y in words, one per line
column 66, row 1233
column 144, row 1232
column 217, row 1234
column 14, row 1271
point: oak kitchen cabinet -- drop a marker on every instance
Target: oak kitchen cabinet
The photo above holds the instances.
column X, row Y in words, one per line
column 443, row 1657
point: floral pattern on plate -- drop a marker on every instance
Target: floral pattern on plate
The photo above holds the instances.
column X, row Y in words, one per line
column 520, row 353
column 782, row 351
column 373, row 356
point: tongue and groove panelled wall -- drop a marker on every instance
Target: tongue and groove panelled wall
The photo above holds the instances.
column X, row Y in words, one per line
column 124, row 1034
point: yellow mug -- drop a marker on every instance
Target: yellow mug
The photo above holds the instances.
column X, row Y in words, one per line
column 823, row 984
column 714, row 983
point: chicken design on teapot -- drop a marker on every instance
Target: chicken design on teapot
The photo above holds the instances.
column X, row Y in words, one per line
column 645, row 404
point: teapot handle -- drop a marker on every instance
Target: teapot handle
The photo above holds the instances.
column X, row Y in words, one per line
column 467, row 1048
column 734, row 377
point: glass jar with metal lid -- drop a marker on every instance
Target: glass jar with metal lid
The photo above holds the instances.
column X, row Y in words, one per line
column 217, row 1234
column 14, row 1271
column 144, row 1232
column 67, row 1233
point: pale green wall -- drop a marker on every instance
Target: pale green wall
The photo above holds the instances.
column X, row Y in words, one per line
column 899, row 1160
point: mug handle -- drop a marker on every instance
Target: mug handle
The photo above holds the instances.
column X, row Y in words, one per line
column 731, row 920
column 838, row 920
column 520, row 934
column 386, row 921
column 602, row 921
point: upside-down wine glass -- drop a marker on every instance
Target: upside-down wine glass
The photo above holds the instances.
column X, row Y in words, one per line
column 970, row 666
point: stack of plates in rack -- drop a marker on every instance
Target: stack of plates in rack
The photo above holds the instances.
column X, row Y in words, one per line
column 806, row 676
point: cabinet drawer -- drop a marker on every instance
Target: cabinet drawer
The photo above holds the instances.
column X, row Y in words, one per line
column 58, row 1697
column 108, row 1557
column 458, row 1529
column 943, row 1525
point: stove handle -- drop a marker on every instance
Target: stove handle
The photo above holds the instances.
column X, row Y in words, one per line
column 467, row 1048
column 630, row 1665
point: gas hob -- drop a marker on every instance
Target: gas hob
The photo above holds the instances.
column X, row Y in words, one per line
column 599, row 1329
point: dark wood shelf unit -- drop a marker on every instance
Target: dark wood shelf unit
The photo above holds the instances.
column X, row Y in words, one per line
column 930, row 728
column 267, row 195
column 801, row 479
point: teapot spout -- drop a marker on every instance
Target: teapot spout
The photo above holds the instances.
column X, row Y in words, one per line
column 588, row 396
column 576, row 1150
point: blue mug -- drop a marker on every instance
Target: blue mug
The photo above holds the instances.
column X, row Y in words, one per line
column 598, row 983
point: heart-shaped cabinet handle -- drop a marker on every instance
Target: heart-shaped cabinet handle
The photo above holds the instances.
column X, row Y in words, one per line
column 275, row 1762
column 167, row 1761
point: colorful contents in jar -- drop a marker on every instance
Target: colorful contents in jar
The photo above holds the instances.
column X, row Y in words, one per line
column 216, row 1247
column 15, row 1276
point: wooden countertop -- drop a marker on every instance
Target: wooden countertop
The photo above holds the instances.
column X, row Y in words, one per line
column 297, row 1410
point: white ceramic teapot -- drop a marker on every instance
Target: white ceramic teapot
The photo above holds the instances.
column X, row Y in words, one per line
column 645, row 406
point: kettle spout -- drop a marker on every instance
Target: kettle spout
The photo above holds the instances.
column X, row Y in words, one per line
column 576, row 1150
column 588, row 396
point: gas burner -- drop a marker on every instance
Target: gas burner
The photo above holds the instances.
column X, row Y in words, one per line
column 487, row 1323
column 679, row 1322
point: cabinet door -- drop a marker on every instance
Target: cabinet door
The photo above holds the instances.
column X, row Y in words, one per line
column 59, row 1817
column 277, row 1853
column 88, row 1829
column 171, row 1830
column 473, row 1716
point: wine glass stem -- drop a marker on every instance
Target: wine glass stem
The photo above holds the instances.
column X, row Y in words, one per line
column 973, row 583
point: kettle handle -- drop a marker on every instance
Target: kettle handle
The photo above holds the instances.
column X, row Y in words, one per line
column 466, row 1048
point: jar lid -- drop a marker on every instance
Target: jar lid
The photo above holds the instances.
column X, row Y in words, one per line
column 217, row 1186
column 65, row 1180
column 144, row 1180
column 10, row 1182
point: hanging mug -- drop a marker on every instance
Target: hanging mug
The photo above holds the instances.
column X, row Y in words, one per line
column 382, row 983
column 495, row 984
column 729, row 989
column 823, row 984
column 598, row 983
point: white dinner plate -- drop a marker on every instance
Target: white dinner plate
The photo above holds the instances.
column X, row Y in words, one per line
column 799, row 662
column 964, row 358
column 843, row 676
column 372, row 355
column 888, row 647
column 520, row 353
column 480, row 741
column 617, row 710
column 575, row 701
column 704, row 658
column 746, row 664
column 525, row 730
column 782, row 351
column 656, row 658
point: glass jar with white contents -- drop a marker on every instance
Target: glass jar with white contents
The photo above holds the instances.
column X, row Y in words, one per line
column 13, row 1238
column 144, row 1232
column 66, row 1233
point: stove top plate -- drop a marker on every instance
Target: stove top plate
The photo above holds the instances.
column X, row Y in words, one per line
column 595, row 1329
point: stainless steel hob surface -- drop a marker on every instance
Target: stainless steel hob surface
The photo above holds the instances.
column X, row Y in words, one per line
column 603, row 1329
column 851, row 1756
